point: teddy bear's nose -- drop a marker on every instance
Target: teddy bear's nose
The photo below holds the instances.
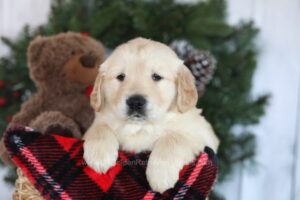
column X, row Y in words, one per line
column 88, row 60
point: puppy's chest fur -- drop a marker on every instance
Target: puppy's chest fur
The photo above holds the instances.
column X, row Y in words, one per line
column 136, row 137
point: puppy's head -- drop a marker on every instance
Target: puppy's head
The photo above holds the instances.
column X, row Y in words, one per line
column 142, row 80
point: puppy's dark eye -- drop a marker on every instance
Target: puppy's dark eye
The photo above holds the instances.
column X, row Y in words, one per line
column 156, row 77
column 121, row 77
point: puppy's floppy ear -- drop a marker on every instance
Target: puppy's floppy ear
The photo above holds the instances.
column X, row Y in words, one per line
column 186, row 90
column 96, row 97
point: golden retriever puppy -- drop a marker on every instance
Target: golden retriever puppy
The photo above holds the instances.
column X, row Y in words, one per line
column 145, row 100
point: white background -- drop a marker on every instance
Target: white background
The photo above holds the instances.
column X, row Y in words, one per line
column 277, row 174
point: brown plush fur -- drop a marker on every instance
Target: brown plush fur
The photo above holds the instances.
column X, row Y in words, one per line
column 61, row 66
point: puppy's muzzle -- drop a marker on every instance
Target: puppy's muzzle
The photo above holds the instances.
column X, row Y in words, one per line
column 136, row 106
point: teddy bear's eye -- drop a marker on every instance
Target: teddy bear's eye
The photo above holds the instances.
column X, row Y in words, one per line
column 121, row 77
column 72, row 52
column 156, row 77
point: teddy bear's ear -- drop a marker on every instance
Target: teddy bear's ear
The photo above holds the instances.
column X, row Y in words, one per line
column 36, row 60
column 96, row 97
column 35, row 49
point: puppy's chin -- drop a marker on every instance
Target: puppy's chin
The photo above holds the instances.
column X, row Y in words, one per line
column 137, row 118
column 132, row 119
column 150, row 115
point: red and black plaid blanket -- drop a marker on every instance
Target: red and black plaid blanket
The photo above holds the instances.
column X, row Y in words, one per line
column 55, row 166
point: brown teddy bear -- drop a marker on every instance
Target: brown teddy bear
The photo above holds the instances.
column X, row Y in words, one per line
column 62, row 67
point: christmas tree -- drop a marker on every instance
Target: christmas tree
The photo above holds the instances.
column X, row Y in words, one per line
column 227, row 102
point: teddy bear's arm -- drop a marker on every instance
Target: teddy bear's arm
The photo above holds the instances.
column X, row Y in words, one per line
column 86, row 116
column 54, row 122
column 4, row 155
column 29, row 111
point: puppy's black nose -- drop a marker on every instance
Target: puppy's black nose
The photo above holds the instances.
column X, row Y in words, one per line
column 136, row 102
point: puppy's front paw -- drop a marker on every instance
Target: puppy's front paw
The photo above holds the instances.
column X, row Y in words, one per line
column 100, row 155
column 161, row 174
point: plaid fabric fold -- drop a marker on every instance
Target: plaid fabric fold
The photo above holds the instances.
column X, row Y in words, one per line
column 55, row 166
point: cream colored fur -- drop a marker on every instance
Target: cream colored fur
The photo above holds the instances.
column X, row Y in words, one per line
column 173, row 128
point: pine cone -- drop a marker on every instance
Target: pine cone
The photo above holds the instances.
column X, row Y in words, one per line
column 201, row 63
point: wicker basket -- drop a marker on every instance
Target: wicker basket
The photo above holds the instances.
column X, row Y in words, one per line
column 24, row 189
